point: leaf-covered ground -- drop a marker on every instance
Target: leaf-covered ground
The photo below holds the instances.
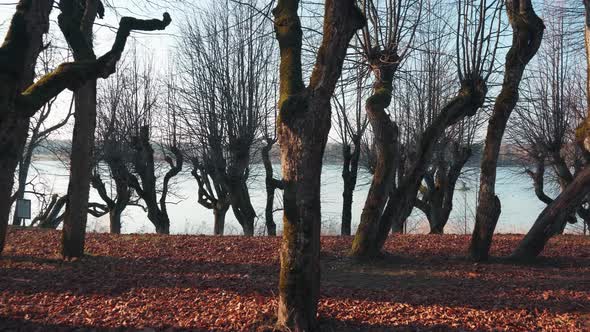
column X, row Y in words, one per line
column 156, row 282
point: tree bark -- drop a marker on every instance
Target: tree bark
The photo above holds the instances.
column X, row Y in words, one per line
column 303, row 127
column 219, row 218
column 527, row 33
column 76, row 23
column 18, row 57
column 115, row 221
column 242, row 206
column 385, row 133
column 555, row 213
column 76, row 216
column 373, row 234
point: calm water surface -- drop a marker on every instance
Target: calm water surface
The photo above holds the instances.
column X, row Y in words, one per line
column 519, row 204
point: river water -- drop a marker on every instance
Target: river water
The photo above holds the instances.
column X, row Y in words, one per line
column 520, row 207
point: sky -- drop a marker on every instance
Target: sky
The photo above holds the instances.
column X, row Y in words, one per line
column 159, row 45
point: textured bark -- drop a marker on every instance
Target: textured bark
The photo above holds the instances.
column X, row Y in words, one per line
column 76, row 23
column 372, row 235
column 81, row 159
column 527, row 33
column 18, row 56
column 555, row 213
column 385, row 133
column 302, row 127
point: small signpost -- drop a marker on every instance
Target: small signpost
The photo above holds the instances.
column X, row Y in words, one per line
column 23, row 209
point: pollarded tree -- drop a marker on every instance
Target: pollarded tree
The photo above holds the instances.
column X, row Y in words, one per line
column 545, row 120
column 227, row 90
column 527, row 33
column 141, row 106
column 477, row 37
column 576, row 192
column 23, row 97
column 303, row 127
column 112, row 148
column 385, row 43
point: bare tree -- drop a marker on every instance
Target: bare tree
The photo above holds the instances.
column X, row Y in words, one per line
column 227, row 90
column 575, row 193
column 351, row 125
column 113, row 148
column 478, row 27
column 527, row 33
column 303, row 127
column 18, row 59
column 545, row 120
column 385, row 43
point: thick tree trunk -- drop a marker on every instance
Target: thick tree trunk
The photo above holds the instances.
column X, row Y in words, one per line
column 385, row 134
column 219, row 213
column 242, row 206
column 115, row 221
column 555, row 213
column 303, row 127
column 373, row 234
column 19, row 52
column 527, row 33
column 11, row 146
column 76, row 216
column 160, row 221
column 76, row 23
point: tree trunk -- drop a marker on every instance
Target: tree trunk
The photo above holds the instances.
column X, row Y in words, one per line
column 115, row 221
column 19, row 52
column 271, row 226
column 349, row 175
column 373, row 234
column 51, row 217
column 76, row 216
column 219, row 213
column 385, row 134
column 242, row 206
column 76, row 25
column 11, row 147
column 303, row 127
column 555, row 213
column 527, row 33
